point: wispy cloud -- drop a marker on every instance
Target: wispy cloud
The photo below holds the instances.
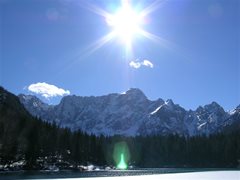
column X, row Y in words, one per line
column 47, row 90
column 147, row 63
column 137, row 64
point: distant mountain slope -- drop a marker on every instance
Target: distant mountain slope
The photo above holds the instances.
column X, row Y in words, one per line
column 233, row 123
column 131, row 113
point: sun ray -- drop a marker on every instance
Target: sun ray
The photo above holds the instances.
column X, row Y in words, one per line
column 173, row 47
column 152, row 7
column 84, row 53
column 99, row 43
column 157, row 39
column 95, row 9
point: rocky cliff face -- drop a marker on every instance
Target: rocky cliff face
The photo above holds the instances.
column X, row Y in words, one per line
column 131, row 113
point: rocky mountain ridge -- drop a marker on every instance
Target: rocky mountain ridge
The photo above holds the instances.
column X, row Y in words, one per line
column 131, row 114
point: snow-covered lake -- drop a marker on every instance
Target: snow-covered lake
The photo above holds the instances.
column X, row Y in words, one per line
column 205, row 175
column 213, row 175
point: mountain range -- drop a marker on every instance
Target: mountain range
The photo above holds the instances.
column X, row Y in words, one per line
column 131, row 114
column 28, row 143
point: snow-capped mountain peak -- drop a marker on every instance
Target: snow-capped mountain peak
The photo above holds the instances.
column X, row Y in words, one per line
column 130, row 113
column 135, row 93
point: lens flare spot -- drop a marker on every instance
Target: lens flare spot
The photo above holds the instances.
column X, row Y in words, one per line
column 121, row 155
column 122, row 164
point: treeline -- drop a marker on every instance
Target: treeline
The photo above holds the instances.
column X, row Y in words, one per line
column 23, row 137
column 35, row 139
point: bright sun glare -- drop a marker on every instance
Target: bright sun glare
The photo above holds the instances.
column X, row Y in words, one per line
column 126, row 23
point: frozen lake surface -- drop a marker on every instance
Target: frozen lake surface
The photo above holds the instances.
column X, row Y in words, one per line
column 149, row 174
column 214, row 175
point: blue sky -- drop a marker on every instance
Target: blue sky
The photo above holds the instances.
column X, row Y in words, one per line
column 52, row 41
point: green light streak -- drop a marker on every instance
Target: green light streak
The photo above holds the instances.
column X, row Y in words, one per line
column 121, row 155
column 122, row 164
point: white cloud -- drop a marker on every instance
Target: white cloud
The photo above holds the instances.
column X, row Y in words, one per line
column 136, row 64
column 147, row 63
column 47, row 90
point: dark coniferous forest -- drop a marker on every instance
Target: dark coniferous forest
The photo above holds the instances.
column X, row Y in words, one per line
column 23, row 137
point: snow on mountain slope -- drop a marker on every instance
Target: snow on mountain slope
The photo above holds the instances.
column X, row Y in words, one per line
column 34, row 105
column 129, row 113
column 167, row 119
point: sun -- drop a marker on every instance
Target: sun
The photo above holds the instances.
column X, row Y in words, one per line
column 126, row 23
